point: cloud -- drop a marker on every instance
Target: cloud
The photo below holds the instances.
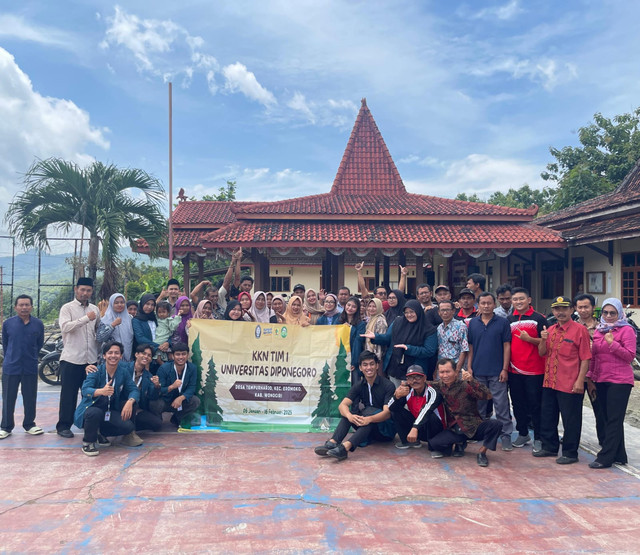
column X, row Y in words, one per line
column 427, row 161
column 546, row 71
column 239, row 78
column 35, row 126
column 504, row 12
column 481, row 174
column 330, row 112
column 167, row 50
column 15, row 27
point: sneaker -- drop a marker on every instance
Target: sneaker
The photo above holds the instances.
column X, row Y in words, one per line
column 68, row 434
column 437, row 454
column 521, row 441
column 542, row 453
column 90, row 449
column 566, row 460
column 482, row 459
column 458, row 450
column 407, row 445
column 103, row 441
column 506, row 443
column 338, row 452
column 322, row 450
column 132, row 440
column 537, row 445
column 4, row 434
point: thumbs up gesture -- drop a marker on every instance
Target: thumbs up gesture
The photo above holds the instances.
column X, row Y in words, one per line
column 544, row 334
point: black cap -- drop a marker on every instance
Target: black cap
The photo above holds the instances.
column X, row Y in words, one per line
column 466, row 291
column 561, row 301
column 299, row 286
column 415, row 370
column 84, row 281
column 445, row 287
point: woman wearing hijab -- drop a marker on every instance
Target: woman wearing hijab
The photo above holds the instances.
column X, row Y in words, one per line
column 376, row 323
column 613, row 349
column 312, row 307
column 396, row 302
column 294, row 313
column 331, row 315
column 244, row 299
column 278, row 306
column 183, row 307
column 116, row 325
column 145, row 323
column 233, row 312
column 204, row 310
column 259, row 310
column 411, row 340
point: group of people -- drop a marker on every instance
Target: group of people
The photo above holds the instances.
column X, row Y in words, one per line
column 432, row 369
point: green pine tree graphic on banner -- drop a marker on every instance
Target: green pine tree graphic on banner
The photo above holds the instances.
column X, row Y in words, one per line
column 212, row 410
column 342, row 381
column 323, row 409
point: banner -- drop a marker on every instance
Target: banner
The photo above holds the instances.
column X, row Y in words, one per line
column 270, row 377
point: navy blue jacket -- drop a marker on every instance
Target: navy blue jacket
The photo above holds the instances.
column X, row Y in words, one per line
column 142, row 333
column 167, row 375
column 328, row 321
column 21, row 344
column 123, row 384
column 148, row 391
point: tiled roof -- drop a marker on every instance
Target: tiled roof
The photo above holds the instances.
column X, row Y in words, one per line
column 183, row 241
column 367, row 166
column 425, row 235
column 406, row 204
column 627, row 192
column 603, row 230
column 205, row 212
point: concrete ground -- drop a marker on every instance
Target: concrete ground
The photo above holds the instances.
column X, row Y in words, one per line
column 266, row 492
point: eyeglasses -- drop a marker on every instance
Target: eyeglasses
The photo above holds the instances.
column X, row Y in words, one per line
column 414, row 378
column 609, row 312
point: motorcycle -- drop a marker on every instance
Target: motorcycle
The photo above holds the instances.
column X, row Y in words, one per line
column 49, row 369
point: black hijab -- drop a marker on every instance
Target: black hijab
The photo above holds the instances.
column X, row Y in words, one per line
column 142, row 315
column 395, row 311
column 408, row 333
column 230, row 306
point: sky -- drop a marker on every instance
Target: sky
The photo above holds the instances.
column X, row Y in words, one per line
column 469, row 96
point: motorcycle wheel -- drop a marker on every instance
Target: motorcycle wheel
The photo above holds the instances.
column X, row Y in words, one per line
column 49, row 372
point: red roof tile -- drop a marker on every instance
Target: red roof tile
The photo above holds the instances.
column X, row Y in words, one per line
column 367, row 166
column 406, row 204
column 205, row 212
column 183, row 241
column 424, row 235
column 603, row 230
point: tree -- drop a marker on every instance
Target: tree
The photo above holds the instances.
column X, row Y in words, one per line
column 98, row 198
column 226, row 192
column 524, row 197
column 212, row 410
column 469, row 198
column 323, row 408
column 342, row 379
column 609, row 151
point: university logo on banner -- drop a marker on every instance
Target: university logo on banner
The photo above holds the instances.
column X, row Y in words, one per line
column 270, row 377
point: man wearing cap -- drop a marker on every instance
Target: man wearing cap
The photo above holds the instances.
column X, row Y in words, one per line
column 299, row 290
column 372, row 393
column 441, row 293
column 79, row 320
column 566, row 346
column 468, row 310
column 412, row 411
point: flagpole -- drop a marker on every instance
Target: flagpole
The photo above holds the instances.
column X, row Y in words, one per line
column 170, row 183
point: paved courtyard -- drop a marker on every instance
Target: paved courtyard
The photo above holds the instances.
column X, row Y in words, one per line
column 268, row 492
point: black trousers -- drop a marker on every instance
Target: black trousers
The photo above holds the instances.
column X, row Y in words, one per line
column 146, row 420
column 613, row 399
column 159, row 406
column 526, row 398
column 597, row 412
column 403, row 421
column 94, row 422
column 28, row 384
column 370, row 432
column 72, row 376
column 489, row 431
column 569, row 406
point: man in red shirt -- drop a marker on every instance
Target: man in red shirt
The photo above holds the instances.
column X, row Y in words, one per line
column 526, row 367
column 468, row 310
column 567, row 349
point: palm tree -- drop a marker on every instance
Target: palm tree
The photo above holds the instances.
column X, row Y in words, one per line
column 99, row 198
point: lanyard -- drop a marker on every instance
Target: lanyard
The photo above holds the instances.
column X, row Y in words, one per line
column 113, row 384
column 178, row 377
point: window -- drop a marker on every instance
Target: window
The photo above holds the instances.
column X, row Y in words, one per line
column 552, row 278
column 631, row 279
column 280, row 284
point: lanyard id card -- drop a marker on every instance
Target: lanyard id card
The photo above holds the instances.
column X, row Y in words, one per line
column 107, row 416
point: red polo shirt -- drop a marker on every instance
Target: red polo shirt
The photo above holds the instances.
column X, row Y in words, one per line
column 524, row 355
column 566, row 346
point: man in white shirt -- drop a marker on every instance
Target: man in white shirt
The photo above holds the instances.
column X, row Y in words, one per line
column 79, row 320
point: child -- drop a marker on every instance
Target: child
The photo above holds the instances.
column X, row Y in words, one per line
column 165, row 329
